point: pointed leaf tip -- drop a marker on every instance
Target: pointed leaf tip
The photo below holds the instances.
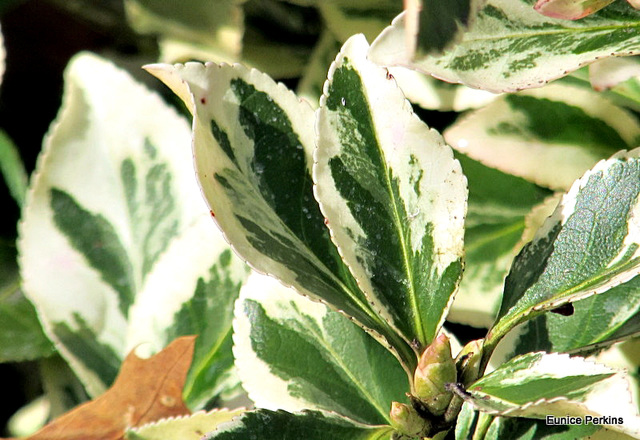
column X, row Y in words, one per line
column 394, row 196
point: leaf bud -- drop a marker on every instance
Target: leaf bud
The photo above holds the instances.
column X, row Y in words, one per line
column 436, row 368
column 407, row 421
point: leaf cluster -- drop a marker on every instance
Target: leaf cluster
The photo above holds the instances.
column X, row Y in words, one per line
column 351, row 234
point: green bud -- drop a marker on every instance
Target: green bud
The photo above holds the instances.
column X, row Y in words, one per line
column 436, row 367
column 407, row 421
column 468, row 361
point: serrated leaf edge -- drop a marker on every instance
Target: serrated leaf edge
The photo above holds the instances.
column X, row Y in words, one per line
column 467, row 396
column 384, row 314
column 401, row 59
column 162, row 421
column 160, row 71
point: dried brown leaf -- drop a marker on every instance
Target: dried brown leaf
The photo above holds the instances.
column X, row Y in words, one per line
column 146, row 390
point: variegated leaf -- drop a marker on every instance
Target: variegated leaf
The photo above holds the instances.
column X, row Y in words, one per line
column 537, row 385
column 549, row 136
column 495, row 222
column 295, row 354
column 512, row 47
column 596, row 322
column 588, row 325
column 264, row 424
column 253, row 142
column 112, row 195
column 609, row 72
column 190, row 427
column 570, row 9
column 436, row 25
column 589, row 245
column 433, row 94
column 193, row 295
column 508, row 428
column 393, row 195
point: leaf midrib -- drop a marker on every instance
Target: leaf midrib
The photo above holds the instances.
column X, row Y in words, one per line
column 513, row 317
column 402, row 236
column 338, row 361
column 551, row 32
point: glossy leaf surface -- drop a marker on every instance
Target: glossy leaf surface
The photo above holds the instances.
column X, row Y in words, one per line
column 294, row 354
column 587, row 246
column 253, row 143
column 393, row 195
column 538, row 384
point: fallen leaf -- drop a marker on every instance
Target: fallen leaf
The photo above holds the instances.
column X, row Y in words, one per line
column 146, row 390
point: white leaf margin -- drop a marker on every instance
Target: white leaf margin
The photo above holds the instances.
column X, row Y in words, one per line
column 389, row 49
column 95, row 110
column 190, row 427
column 609, row 397
column 264, row 388
column 543, row 163
column 395, row 133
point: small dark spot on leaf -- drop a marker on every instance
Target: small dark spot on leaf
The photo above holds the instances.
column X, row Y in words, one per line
column 389, row 75
column 564, row 310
